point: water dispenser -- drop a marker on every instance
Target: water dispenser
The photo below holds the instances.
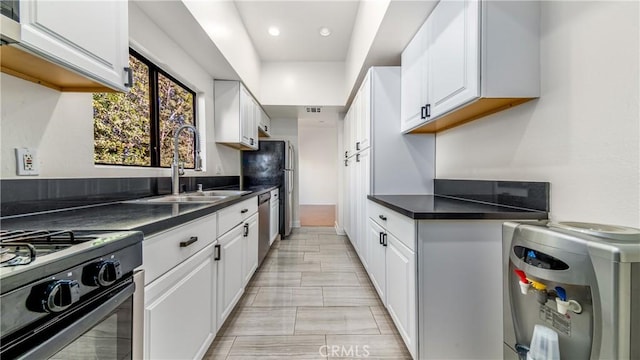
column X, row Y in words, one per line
column 575, row 284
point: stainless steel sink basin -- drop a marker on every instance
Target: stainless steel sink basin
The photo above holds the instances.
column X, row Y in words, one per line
column 220, row 193
column 209, row 197
column 187, row 198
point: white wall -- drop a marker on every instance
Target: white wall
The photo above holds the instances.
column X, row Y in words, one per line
column 302, row 83
column 60, row 125
column 318, row 165
column 583, row 134
column 287, row 129
column 222, row 22
column 365, row 28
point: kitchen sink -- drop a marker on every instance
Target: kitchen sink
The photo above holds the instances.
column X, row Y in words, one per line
column 220, row 193
column 210, row 197
column 186, row 198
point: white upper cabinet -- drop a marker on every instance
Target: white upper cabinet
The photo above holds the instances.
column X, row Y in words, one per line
column 453, row 64
column 470, row 59
column 414, row 81
column 236, row 122
column 363, row 125
column 265, row 123
column 90, row 38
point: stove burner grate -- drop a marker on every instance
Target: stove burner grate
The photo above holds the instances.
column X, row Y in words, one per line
column 20, row 247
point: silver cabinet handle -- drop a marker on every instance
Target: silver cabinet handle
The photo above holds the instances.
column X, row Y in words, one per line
column 129, row 72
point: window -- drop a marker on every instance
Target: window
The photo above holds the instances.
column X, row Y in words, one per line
column 131, row 129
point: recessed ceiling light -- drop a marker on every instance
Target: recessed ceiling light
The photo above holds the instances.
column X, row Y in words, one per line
column 274, row 31
column 325, row 31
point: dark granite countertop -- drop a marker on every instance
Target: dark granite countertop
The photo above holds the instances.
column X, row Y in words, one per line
column 436, row 207
column 147, row 217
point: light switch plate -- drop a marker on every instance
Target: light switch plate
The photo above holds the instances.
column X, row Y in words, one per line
column 26, row 162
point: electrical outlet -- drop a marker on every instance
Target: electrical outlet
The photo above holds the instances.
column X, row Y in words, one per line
column 26, row 162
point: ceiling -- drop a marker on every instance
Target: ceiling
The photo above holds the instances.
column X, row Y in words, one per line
column 299, row 23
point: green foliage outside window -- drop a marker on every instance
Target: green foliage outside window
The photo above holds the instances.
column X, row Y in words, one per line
column 129, row 131
column 176, row 109
column 121, row 130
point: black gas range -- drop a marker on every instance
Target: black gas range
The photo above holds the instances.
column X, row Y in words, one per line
column 67, row 294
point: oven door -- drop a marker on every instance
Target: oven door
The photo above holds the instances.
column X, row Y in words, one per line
column 100, row 328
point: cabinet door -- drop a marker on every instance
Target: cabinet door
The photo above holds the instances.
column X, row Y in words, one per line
column 183, row 298
column 353, row 203
column 363, row 165
column 401, row 289
column 355, row 120
column 453, row 55
column 90, row 37
column 364, row 122
column 377, row 258
column 346, row 135
column 267, row 124
column 346, row 213
column 246, row 116
column 230, row 272
column 250, row 228
column 274, row 222
column 413, row 81
column 257, row 110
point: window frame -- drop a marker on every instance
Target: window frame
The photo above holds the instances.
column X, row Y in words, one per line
column 154, row 120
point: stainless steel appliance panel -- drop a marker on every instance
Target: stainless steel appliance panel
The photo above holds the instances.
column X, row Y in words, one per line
column 273, row 164
column 264, row 221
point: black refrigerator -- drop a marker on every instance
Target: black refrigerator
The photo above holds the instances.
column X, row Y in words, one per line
column 272, row 164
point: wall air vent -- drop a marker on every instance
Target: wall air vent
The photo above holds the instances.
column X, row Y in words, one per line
column 314, row 109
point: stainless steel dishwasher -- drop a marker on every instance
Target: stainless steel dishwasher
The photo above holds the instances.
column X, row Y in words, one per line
column 264, row 220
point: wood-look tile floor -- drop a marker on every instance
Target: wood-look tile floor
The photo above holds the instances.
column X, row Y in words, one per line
column 311, row 298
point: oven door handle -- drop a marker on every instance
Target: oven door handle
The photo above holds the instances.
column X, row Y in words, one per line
column 72, row 332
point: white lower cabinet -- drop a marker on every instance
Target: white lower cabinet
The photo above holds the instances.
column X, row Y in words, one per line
column 392, row 268
column 274, row 227
column 401, row 289
column 196, row 280
column 250, row 234
column 238, row 255
column 230, row 272
column 180, row 309
column 377, row 258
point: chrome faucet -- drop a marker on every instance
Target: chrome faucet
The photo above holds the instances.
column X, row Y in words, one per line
column 177, row 168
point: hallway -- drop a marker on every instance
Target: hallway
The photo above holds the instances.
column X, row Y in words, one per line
column 311, row 298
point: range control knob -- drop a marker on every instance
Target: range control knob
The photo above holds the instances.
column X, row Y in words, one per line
column 105, row 273
column 60, row 294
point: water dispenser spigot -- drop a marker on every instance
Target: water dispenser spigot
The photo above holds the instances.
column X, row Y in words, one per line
column 541, row 291
column 563, row 304
column 524, row 283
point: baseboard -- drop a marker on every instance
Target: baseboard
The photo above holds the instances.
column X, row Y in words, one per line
column 296, row 224
column 339, row 229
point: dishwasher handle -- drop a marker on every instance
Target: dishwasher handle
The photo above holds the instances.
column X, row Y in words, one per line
column 264, row 198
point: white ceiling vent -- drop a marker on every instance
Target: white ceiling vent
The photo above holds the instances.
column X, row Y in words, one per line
column 314, row 109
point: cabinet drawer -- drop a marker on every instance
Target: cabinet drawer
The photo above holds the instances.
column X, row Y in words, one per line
column 402, row 227
column 233, row 215
column 166, row 250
